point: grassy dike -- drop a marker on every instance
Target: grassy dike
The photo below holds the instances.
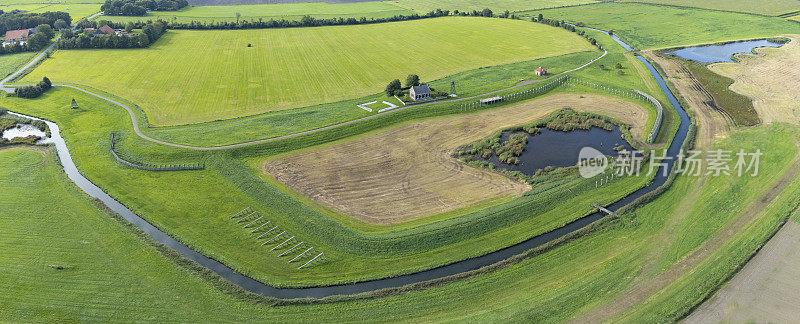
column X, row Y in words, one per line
column 554, row 285
column 198, row 216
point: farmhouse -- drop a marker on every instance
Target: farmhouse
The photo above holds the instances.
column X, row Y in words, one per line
column 106, row 30
column 541, row 71
column 19, row 35
column 420, row 92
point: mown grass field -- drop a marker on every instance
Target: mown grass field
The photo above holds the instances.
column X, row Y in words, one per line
column 214, row 75
column 646, row 26
column 468, row 83
column 763, row 7
column 278, row 11
column 75, row 10
column 560, row 284
column 496, row 5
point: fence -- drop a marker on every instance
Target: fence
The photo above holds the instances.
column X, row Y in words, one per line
column 150, row 167
column 570, row 81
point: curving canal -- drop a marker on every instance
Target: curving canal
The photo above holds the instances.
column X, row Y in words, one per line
column 257, row 287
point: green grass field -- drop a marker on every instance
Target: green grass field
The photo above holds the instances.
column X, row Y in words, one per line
column 763, row 7
column 288, row 11
column 651, row 26
column 497, row 6
column 75, row 10
column 198, row 216
column 74, row 277
column 296, row 67
column 10, row 63
column 797, row 18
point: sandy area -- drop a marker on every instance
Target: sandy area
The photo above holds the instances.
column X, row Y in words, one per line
column 407, row 172
column 771, row 78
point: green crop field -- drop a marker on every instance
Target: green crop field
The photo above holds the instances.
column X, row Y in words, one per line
column 278, row 11
column 214, row 75
column 762, row 7
column 652, row 26
column 496, row 5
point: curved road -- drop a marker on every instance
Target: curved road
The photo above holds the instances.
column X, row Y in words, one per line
column 272, row 139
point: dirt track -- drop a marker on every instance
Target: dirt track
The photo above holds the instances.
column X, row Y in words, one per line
column 771, row 78
column 407, row 172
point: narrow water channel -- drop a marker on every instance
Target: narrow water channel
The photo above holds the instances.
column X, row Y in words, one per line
column 254, row 286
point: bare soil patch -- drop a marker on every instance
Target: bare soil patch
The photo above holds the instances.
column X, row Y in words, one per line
column 407, row 172
column 771, row 78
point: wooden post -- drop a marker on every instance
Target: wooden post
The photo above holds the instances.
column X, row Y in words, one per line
column 272, row 239
column 290, row 249
column 267, row 232
column 312, row 260
column 284, row 242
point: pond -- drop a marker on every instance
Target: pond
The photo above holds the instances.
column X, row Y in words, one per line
column 721, row 53
column 25, row 130
column 560, row 149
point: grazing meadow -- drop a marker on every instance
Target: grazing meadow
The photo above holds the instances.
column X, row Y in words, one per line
column 296, row 67
column 276, row 11
column 646, row 26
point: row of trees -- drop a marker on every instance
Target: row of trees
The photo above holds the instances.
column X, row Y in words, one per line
column 36, row 42
column 16, row 19
column 567, row 26
column 140, row 7
column 305, row 21
column 149, row 34
column 34, row 91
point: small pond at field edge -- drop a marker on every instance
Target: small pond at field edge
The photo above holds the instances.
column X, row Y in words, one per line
column 560, row 149
column 25, row 130
column 721, row 53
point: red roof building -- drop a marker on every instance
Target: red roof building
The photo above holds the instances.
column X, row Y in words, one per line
column 18, row 35
column 541, row 71
column 106, row 30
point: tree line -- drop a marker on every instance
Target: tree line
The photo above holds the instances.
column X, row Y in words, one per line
column 567, row 26
column 140, row 7
column 33, row 91
column 305, row 21
column 151, row 32
column 17, row 19
column 36, row 42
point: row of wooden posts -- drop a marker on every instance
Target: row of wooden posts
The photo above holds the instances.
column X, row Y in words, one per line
column 252, row 219
column 150, row 167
